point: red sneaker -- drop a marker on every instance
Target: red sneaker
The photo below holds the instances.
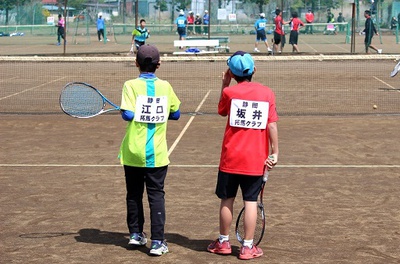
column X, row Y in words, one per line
column 250, row 253
column 223, row 248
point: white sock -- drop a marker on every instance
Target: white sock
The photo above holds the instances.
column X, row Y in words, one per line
column 248, row 243
column 223, row 238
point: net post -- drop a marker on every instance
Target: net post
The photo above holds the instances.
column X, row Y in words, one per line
column 105, row 32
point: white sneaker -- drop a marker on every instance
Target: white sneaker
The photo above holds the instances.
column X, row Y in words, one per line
column 256, row 50
column 158, row 248
column 269, row 50
column 379, row 51
column 137, row 239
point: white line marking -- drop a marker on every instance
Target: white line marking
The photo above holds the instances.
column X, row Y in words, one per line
column 207, row 165
column 4, row 80
column 305, row 43
column 187, row 124
column 385, row 83
column 11, row 95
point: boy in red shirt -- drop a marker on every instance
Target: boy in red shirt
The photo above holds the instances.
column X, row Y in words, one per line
column 279, row 33
column 251, row 128
column 295, row 25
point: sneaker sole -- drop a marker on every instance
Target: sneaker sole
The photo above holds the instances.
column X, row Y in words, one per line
column 250, row 257
column 220, row 252
column 135, row 243
column 156, row 253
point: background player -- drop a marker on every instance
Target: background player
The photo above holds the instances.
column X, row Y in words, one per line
column 139, row 35
column 181, row 24
column 279, row 33
column 295, row 25
column 260, row 25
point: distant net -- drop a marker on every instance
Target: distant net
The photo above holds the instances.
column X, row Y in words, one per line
column 304, row 85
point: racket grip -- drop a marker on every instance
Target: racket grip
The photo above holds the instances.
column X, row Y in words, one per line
column 265, row 176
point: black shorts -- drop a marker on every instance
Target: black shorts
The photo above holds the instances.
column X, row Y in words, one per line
column 138, row 44
column 368, row 40
column 182, row 31
column 277, row 38
column 294, row 37
column 228, row 184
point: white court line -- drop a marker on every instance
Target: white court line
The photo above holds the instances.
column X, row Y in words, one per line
column 208, row 166
column 11, row 95
column 4, row 80
column 385, row 83
column 305, row 43
column 187, row 124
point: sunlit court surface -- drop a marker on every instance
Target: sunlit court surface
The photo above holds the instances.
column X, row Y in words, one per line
column 333, row 197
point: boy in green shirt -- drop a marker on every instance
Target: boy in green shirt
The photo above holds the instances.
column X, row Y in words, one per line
column 147, row 104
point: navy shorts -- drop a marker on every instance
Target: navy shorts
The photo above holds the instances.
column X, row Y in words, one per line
column 228, row 185
column 261, row 35
column 182, row 31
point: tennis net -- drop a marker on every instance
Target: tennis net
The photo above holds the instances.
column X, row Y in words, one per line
column 304, row 85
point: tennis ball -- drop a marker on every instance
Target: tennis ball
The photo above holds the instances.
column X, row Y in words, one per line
column 374, row 106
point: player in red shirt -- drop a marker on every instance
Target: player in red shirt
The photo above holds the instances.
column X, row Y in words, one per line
column 279, row 34
column 251, row 128
column 309, row 20
column 190, row 20
column 295, row 25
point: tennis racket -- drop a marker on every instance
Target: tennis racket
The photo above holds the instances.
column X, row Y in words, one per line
column 396, row 69
column 81, row 100
column 260, row 225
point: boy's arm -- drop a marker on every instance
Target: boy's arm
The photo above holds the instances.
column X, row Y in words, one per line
column 226, row 80
column 273, row 140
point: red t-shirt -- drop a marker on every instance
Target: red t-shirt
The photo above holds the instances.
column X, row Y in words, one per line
column 296, row 23
column 278, row 25
column 190, row 19
column 309, row 17
column 244, row 150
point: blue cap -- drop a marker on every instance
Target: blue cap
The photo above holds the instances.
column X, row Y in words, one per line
column 241, row 64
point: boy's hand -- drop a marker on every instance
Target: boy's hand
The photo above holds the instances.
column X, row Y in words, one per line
column 226, row 79
column 271, row 161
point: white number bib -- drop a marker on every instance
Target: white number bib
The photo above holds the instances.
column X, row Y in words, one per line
column 249, row 114
column 151, row 109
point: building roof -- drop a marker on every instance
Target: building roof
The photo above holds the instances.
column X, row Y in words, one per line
column 49, row 2
column 55, row 8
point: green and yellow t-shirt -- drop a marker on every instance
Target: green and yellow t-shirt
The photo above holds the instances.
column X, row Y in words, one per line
column 151, row 99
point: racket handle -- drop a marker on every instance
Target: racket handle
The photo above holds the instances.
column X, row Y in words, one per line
column 265, row 176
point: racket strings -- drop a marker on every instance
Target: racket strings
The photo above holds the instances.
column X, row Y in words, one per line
column 259, row 230
column 80, row 100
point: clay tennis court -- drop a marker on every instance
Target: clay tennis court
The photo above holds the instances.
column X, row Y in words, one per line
column 333, row 198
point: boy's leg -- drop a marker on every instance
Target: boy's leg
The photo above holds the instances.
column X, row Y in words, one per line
column 250, row 219
column 225, row 215
column 134, row 180
column 155, row 178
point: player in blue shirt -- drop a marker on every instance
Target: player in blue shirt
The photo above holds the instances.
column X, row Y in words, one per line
column 100, row 27
column 206, row 22
column 181, row 23
column 260, row 25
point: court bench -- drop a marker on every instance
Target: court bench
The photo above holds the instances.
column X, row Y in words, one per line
column 222, row 40
column 194, row 46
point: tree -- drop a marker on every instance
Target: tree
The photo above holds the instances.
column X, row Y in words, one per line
column 161, row 5
column 8, row 5
column 259, row 3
